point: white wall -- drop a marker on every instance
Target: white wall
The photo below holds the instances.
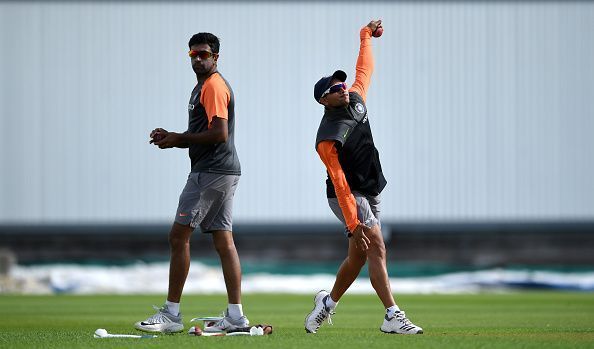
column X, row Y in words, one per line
column 481, row 111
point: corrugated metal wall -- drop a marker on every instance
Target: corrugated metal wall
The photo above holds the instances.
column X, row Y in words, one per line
column 481, row 111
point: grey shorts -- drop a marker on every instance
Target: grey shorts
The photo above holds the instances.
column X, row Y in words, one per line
column 207, row 201
column 368, row 210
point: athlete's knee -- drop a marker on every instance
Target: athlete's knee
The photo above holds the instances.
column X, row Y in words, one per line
column 224, row 249
column 223, row 243
column 356, row 257
column 377, row 248
column 179, row 235
column 357, row 261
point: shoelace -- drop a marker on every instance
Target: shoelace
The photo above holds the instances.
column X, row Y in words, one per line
column 402, row 317
column 158, row 318
column 330, row 318
column 323, row 314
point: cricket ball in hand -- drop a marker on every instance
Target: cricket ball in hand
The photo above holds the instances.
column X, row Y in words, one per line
column 158, row 136
column 378, row 32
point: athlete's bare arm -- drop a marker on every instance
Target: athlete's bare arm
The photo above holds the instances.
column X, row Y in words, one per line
column 217, row 133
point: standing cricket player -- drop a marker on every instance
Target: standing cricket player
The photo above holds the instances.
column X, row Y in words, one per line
column 345, row 144
column 207, row 199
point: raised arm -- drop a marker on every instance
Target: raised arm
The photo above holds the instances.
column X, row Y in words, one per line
column 364, row 67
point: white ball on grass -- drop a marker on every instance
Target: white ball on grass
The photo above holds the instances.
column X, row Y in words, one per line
column 101, row 332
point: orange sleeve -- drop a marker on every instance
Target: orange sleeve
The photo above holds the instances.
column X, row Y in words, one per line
column 346, row 200
column 215, row 97
column 364, row 64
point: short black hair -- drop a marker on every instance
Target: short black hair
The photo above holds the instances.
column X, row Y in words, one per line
column 205, row 38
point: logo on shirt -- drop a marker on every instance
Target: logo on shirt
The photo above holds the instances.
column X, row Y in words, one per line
column 345, row 133
column 359, row 108
column 190, row 107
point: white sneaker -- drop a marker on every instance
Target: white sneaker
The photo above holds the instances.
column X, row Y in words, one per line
column 400, row 324
column 320, row 312
column 227, row 323
column 162, row 321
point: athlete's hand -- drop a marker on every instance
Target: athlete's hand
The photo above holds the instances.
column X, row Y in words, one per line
column 157, row 134
column 374, row 24
column 361, row 240
column 170, row 140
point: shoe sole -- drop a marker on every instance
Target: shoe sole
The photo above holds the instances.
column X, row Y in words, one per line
column 394, row 332
column 166, row 330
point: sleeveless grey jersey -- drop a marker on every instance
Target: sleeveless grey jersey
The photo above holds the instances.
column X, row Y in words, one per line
column 212, row 158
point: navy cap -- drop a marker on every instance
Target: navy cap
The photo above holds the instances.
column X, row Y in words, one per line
column 324, row 83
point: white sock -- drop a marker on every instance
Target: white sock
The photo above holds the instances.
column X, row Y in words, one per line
column 330, row 303
column 173, row 308
column 235, row 311
column 391, row 311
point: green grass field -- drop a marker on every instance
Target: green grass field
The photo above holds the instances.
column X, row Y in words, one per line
column 518, row 320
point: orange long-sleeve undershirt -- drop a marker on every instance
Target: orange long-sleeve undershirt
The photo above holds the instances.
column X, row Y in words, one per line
column 364, row 64
column 327, row 150
column 346, row 200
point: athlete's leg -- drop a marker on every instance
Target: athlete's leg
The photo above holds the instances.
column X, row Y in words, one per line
column 179, row 264
column 351, row 266
column 218, row 221
column 168, row 318
column 378, row 274
column 225, row 247
column 348, row 271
